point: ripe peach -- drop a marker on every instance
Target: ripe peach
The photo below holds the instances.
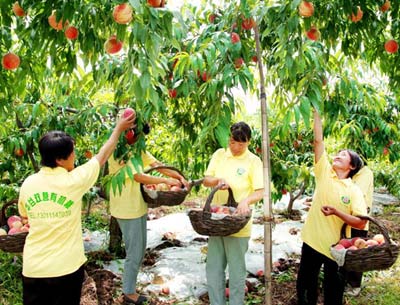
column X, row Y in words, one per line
column 358, row 17
column 313, row 34
column 18, row 10
column 339, row 247
column 112, row 45
column 19, row 152
column 14, row 231
column 155, row 3
column 172, row 93
column 123, row 13
column 353, row 240
column 345, row 243
column 391, row 46
column 260, row 273
column 306, row 9
column 130, row 137
column 385, row 6
column 379, row 238
column 71, row 33
column 205, row 76
column 248, row 23
column 360, row 243
column 235, row 38
column 3, row 232
column 12, row 219
column 372, row 242
column 239, row 62
column 17, row 224
column 54, row 24
column 352, row 248
column 211, row 18
column 165, row 290
column 175, row 189
column 10, row 61
column 128, row 112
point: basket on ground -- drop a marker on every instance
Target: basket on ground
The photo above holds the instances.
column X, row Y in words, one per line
column 204, row 224
column 168, row 198
column 11, row 243
column 376, row 257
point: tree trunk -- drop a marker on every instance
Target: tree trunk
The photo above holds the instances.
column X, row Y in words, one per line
column 115, row 244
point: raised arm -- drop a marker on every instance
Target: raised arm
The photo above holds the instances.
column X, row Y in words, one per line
column 107, row 149
column 318, row 137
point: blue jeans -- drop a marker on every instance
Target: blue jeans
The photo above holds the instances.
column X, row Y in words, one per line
column 134, row 235
column 223, row 252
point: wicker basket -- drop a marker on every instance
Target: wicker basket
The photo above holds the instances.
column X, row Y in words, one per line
column 377, row 257
column 167, row 198
column 11, row 243
column 203, row 223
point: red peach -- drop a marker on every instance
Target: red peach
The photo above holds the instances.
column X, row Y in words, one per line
column 71, row 33
column 123, row 13
column 11, row 61
column 18, row 10
column 306, row 9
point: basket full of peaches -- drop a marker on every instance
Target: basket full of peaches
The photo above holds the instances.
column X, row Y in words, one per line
column 362, row 254
column 13, row 230
column 218, row 220
column 156, row 195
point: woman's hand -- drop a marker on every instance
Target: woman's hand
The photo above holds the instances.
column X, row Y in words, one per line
column 328, row 210
column 242, row 208
column 173, row 182
column 222, row 184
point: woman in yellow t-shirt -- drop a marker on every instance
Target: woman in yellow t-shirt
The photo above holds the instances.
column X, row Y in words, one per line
column 336, row 200
column 241, row 170
column 51, row 199
column 130, row 211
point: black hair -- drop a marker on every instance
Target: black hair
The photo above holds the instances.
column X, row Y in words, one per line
column 55, row 145
column 355, row 161
column 241, row 132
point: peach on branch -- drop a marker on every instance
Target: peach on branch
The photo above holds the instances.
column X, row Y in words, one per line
column 235, row 38
column 248, row 23
column 71, row 33
column 358, row 17
column 54, row 24
column 313, row 34
column 10, row 61
column 306, row 9
column 391, row 46
column 113, row 45
column 123, row 13
column 18, row 10
column 386, row 6
column 155, row 3
column 239, row 62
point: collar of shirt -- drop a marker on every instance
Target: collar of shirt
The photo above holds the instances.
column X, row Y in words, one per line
column 53, row 171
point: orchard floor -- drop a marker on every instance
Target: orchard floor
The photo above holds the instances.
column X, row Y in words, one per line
column 283, row 280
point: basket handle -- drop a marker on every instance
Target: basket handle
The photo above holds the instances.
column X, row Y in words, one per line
column 378, row 223
column 230, row 202
column 3, row 219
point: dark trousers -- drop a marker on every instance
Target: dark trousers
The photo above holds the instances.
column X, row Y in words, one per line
column 307, row 278
column 354, row 278
column 63, row 290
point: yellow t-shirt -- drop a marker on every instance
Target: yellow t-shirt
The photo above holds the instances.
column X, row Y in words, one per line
column 52, row 201
column 129, row 203
column 320, row 232
column 243, row 173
